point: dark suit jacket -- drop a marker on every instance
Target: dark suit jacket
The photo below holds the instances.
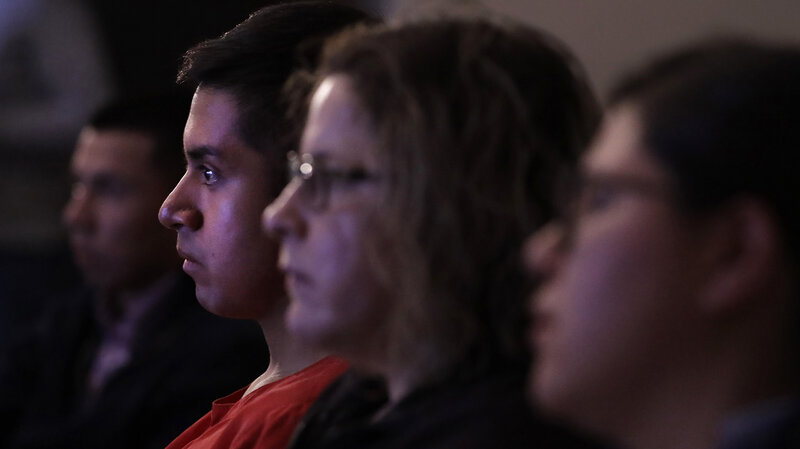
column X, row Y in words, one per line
column 183, row 359
column 772, row 429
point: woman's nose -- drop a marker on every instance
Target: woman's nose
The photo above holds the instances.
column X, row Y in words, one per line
column 282, row 218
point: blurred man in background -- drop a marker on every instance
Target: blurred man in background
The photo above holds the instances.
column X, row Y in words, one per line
column 116, row 364
column 668, row 316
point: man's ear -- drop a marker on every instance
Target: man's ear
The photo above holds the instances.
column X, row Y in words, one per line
column 746, row 253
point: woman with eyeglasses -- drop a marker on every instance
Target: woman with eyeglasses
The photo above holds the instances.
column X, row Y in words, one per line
column 430, row 151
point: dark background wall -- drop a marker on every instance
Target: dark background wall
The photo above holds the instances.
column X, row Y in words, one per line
column 60, row 58
column 144, row 39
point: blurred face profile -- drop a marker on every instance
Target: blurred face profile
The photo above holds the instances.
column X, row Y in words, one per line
column 216, row 209
column 326, row 221
column 111, row 216
column 617, row 284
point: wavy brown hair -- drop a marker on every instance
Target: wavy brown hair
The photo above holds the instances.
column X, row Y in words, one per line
column 476, row 123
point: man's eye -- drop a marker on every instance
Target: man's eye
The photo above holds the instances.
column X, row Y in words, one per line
column 111, row 188
column 78, row 189
column 596, row 198
column 209, row 175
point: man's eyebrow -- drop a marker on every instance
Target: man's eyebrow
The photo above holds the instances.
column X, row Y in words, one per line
column 99, row 180
column 198, row 153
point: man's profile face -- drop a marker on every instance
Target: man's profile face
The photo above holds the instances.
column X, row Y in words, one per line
column 216, row 209
column 111, row 215
column 617, row 309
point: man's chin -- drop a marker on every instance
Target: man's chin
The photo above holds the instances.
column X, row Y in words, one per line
column 206, row 297
column 98, row 280
column 214, row 302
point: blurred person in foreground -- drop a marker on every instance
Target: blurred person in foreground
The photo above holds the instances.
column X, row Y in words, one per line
column 668, row 315
column 430, row 151
column 235, row 141
column 116, row 364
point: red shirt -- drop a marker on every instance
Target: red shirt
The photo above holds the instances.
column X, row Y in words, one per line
column 266, row 417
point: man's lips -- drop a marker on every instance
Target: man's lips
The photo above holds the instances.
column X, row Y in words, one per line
column 187, row 256
column 83, row 256
column 191, row 266
column 540, row 324
column 82, row 250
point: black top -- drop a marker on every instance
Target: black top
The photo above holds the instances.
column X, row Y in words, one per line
column 489, row 412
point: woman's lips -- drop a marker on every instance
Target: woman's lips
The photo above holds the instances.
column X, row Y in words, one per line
column 295, row 280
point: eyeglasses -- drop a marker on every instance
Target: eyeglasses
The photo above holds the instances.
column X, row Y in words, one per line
column 317, row 181
column 599, row 192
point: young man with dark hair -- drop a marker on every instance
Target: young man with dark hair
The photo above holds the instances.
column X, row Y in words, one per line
column 669, row 315
column 117, row 362
column 235, row 141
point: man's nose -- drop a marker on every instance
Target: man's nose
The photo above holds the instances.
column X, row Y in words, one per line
column 179, row 210
column 79, row 211
column 543, row 251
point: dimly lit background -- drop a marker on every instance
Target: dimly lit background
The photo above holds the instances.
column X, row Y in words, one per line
column 60, row 58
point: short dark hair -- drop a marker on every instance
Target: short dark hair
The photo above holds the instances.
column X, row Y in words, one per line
column 475, row 123
column 254, row 60
column 161, row 116
column 723, row 118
